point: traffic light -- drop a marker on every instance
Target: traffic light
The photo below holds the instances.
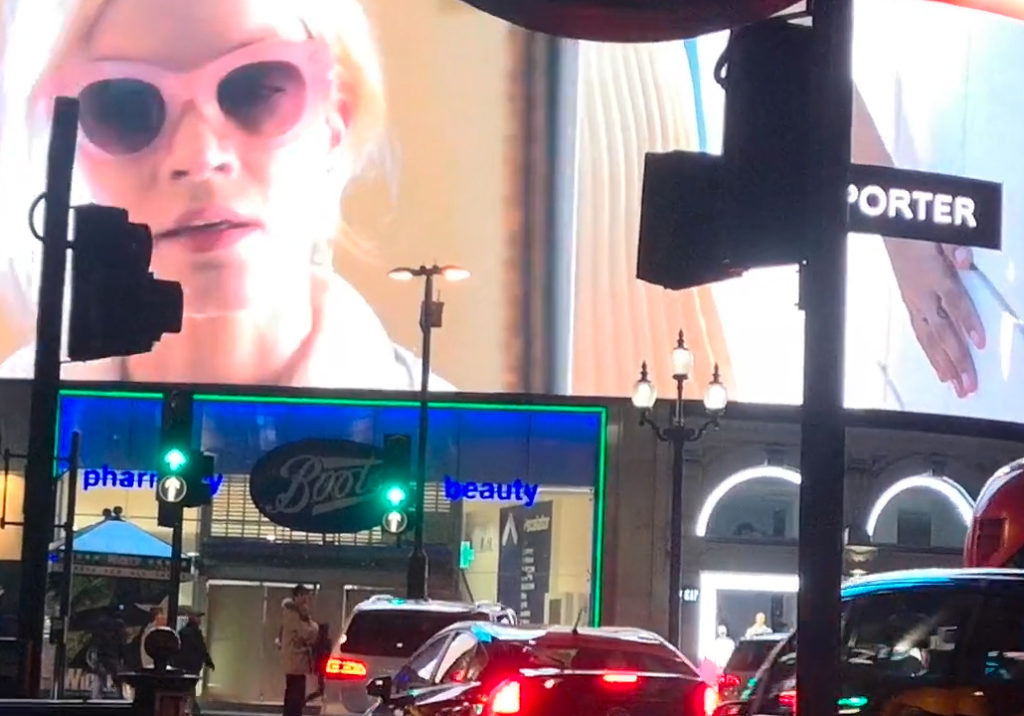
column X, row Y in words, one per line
column 117, row 307
column 707, row 218
column 198, row 491
column 184, row 472
column 395, row 489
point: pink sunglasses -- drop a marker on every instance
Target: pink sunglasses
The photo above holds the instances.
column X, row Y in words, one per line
column 267, row 90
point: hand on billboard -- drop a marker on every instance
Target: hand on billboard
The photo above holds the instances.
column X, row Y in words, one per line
column 941, row 312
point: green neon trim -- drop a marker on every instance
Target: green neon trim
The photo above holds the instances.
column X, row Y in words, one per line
column 597, row 582
column 111, row 394
column 371, row 402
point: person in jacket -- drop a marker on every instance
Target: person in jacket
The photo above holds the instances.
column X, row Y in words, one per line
column 194, row 654
column 299, row 635
column 108, row 645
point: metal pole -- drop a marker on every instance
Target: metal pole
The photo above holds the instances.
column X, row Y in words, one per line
column 172, row 597
column 39, row 469
column 417, row 574
column 823, row 298
column 677, row 436
column 675, row 567
column 60, row 656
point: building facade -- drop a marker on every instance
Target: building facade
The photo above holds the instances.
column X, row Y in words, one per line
column 594, row 541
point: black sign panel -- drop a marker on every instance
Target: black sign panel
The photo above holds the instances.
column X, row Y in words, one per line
column 325, row 486
column 524, row 560
column 900, row 203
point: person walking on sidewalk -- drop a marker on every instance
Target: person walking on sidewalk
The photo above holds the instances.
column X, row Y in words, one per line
column 194, row 655
column 298, row 638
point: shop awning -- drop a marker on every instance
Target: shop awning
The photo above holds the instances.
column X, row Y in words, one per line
column 114, row 547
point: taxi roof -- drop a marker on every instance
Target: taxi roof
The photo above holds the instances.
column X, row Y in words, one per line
column 920, row 578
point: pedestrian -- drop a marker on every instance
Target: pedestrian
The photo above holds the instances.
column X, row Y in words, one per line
column 298, row 638
column 193, row 655
column 321, row 653
column 108, row 650
column 157, row 618
column 759, row 627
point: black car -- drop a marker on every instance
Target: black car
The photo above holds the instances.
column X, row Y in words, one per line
column 483, row 669
column 918, row 642
column 744, row 663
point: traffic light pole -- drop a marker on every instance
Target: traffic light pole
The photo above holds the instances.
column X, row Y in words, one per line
column 38, row 504
column 175, row 593
column 823, row 299
column 417, row 574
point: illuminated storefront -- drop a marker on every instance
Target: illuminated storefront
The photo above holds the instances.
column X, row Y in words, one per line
column 513, row 510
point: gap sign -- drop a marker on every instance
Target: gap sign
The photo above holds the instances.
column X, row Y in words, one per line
column 135, row 479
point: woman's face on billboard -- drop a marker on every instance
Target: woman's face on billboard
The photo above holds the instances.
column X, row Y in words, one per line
column 229, row 167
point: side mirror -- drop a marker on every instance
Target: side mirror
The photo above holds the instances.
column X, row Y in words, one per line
column 380, row 688
column 733, row 708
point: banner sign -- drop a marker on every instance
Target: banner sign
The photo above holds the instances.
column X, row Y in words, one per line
column 899, row 203
column 524, row 560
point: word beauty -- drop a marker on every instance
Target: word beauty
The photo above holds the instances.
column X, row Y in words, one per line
column 493, row 491
column 134, row 479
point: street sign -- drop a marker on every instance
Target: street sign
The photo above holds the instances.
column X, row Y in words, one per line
column 172, row 489
column 905, row 204
column 395, row 522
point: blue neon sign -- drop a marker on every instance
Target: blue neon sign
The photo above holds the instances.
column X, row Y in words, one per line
column 134, row 479
column 517, row 490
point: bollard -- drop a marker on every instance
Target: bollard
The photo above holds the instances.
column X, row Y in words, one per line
column 162, row 690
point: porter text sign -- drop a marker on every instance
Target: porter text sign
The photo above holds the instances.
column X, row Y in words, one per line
column 900, row 203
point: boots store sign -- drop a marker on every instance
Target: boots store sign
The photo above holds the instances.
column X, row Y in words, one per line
column 325, row 486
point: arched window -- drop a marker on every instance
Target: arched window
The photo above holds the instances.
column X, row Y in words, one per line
column 921, row 511
column 756, row 503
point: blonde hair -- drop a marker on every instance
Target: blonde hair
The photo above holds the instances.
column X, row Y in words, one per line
column 342, row 24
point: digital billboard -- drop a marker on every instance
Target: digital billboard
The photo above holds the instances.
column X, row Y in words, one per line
column 929, row 328
column 288, row 155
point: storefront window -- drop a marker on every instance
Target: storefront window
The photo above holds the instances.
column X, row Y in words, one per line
column 514, row 498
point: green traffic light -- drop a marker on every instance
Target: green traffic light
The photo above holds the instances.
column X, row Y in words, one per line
column 395, row 495
column 175, row 459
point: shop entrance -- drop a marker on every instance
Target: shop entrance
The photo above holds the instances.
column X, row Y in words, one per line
column 735, row 598
column 243, row 619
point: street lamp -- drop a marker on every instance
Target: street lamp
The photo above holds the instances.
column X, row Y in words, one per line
column 715, row 399
column 431, row 312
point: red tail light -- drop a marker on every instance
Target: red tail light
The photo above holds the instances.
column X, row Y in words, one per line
column 344, row 669
column 506, row 699
column 727, row 681
column 788, row 700
column 620, row 677
column 706, row 700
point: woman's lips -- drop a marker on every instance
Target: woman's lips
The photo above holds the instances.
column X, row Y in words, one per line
column 211, row 236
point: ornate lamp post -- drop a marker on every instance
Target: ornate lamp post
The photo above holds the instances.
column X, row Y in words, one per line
column 678, row 434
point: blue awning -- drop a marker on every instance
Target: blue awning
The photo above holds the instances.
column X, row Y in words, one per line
column 118, row 537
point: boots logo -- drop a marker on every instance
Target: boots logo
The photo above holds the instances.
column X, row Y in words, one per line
column 326, row 486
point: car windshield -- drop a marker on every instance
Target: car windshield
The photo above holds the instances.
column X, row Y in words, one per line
column 749, row 655
column 590, row 658
column 396, row 633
